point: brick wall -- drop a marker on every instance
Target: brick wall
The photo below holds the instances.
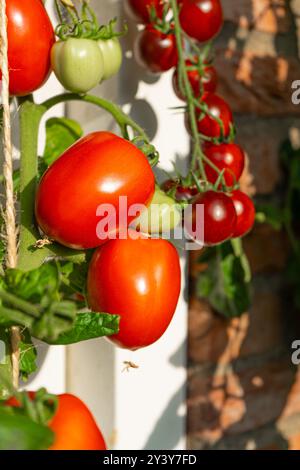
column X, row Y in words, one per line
column 243, row 392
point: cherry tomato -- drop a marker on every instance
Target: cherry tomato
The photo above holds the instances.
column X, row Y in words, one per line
column 228, row 157
column 201, row 19
column 162, row 215
column 140, row 9
column 73, row 425
column 139, row 280
column 30, row 39
column 183, row 193
column 112, row 56
column 245, row 211
column 155, row 51
column 96, row 170
column 218, row 107
column 219, row 217
column 78, row 64
column 200, row 82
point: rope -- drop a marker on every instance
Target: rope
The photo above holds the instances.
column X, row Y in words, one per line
column 10, row 215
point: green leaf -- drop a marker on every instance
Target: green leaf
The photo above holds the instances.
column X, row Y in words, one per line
column 61, row 133
column 5, row 363
column 89, row 326
column 21, row 433
column 225, row 283
column 28, row 356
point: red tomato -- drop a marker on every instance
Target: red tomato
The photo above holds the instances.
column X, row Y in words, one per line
column 201, row 19
column 30, row 39
column 155, row 51
column 218, row 107
column 73, row 424
column 199, row 82
column 228, row 157
column 96, row 170
column 219, row 217
column 183, row 193
column 140, row 9
column 245, row 211
column 139, row 280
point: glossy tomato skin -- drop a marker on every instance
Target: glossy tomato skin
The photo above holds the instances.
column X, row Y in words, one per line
column 155, row 51
column 228, row 157
column 140, row 9
column 73, row 425
column 218, row 107
column 30, row 39
column 245, row 211
column 139, row 280
column 112, row 56
column 201, row 19
column 199, row 83
column 96, row 170
column 219, row 217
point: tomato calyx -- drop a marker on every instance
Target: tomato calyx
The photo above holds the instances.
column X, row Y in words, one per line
column 39, row 406
column 148, row 149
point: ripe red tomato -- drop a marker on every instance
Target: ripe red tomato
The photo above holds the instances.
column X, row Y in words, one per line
column 73, row 424
column 199, row 83
column 140, row 9
column 218, row 107
column 201, row 19
column 30, row 39
column 228, row 157
column 219, row 217
column 97, row 169
column 245, row 211
column 155, row 51
column 139, row 280
column 183, row 193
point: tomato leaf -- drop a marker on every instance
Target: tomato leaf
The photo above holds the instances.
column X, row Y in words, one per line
column 225, row 282
column 28, row 356
column 61, row 133
column 21, row 433
column 90, row 326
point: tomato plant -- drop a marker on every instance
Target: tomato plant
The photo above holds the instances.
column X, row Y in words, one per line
column 140, row 9
column 201, row 79
column 245, row 212
column 155, row 50
column 181, row 192
column 93, row 167
column 78, row 64
column 219, row 217
column 112, row 56
column 227, row 157
column 28, row 24
column 201, row 19
column 130, row 277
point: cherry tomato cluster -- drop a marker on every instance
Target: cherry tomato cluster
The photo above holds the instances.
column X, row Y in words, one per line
column 227, row 211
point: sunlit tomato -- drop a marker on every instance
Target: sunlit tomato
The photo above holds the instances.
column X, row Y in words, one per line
column 219, row 218
column 228, row 157
column 30, row 39
column 182, row 193
column 112, row 56
column 139, row 280
column 201, row 19
column 155, row 51
column 73, row 425
column 200, row 82
column 140, row 9
column 78, row 64
column 95, row 171
column 245, row 211
column 218, row 108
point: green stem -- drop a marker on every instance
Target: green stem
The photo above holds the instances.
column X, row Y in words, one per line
column 197, row 157
column 5, row 363
column 119, row 116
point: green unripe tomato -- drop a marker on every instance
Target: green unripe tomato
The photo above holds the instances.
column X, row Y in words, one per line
column 161, row 216
column 78, row 64
column 112, row 56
